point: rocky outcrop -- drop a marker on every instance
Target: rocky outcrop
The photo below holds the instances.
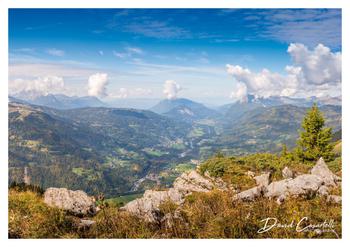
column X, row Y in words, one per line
column 193, row 182
column 147, row 206
column 287, row 173
column 316, row 183
column 251, row 194
column 263, row 179
column 306, row 184
column 76, row 202
column 321, row 170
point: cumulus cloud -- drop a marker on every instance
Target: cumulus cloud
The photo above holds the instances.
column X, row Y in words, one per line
column 97, row 85
column 318, row 66
column 171, row 89
column 40, row 85
column 240, row 92
column 55, row 52
column 313, row 73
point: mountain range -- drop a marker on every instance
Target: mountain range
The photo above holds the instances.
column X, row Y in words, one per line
column 116, row 151
column 184, row 109
column 59, row 101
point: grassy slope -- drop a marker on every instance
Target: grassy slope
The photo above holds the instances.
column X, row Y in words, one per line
column 204, row 215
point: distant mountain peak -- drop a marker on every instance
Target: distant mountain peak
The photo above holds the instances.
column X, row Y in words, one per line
column 58, row 101
column 184, row 109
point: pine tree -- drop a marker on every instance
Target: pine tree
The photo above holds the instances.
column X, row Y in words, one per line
column 315, row 139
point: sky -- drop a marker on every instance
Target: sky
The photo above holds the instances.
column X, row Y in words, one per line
column 215, row 56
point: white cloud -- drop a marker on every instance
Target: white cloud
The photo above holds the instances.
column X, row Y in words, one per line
column 128, row 52
column 134, row 50
column 171, row 89
column 240, row 93
column 318, row 66
column 56, row 52
column 313, row 73
column 40, row 85
column 119, row 54
column 97, row 85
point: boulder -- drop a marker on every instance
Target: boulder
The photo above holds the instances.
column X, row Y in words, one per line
column 76, row 202
column 306, row 184
column 277, row 188
column 193, row 182
column 321, row 170
column 287, row 173
column 301, row 185
column 147, row 206
column 263, row 179
column 251, row 194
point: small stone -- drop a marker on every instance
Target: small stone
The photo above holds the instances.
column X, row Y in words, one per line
column 334, row 199
column 250, row 174
column 281, row 199
column 86, row 223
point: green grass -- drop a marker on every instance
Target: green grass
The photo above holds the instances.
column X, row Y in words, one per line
column 184, row 167
column 122, row 200
column 29, row 217
column 203, row 215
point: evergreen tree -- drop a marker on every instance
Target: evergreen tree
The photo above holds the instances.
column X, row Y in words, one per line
column 315, row 139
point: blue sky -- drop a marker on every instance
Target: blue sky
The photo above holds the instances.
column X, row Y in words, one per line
column 140, row 49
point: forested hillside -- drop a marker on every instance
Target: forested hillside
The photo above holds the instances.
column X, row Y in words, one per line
column 121, row 151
